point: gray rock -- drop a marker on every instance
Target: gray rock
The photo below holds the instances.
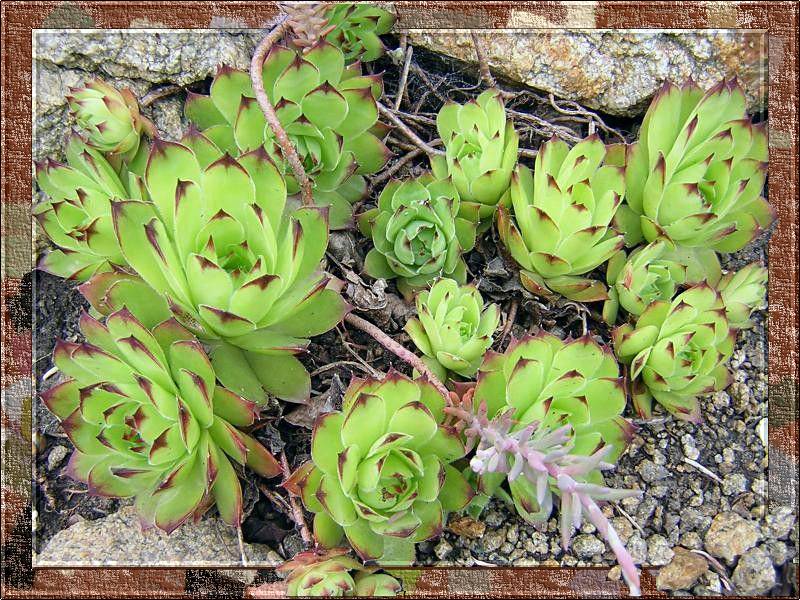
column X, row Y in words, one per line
column 730, row 535
column 781, row 521
column 493, row 539
column 650, row 471
column 139, row 60
column 56, row 457
column 613, row 71
column 659, row 551
column 118, row 540
column 443, row 549
column 754, row 574
column 586, row 546
column 733, row 484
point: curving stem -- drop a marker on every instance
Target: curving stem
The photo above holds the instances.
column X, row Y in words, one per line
column 256, row 77
column 400, row 351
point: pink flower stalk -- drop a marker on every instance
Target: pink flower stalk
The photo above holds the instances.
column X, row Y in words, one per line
column 543, row 455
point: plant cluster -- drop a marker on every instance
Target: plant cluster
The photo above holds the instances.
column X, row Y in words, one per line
column 206, row 279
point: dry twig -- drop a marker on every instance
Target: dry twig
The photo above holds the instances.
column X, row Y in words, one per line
column 287, row 148
column 407, row 131
column 398, row 350
column 297, row 512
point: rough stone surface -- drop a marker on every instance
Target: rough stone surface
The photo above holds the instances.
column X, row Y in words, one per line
column 730, row 535
column 614, row 71
column 118, row 540
column 754, row 574
column 683, row 570
column 140, row 60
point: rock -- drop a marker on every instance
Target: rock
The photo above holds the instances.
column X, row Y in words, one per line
column 613, row 71
column 56, row 457
column 659, row 551
column 118, row 540
column 492, row 540
column 140, row 60
column 754, row 574
column 683, row 570
column 637, row 548
column 467, row 527
column 586, row 546
column 781, row 521
column 443, row 549
column 650, row 471
column 733, row 484
column 730, row 536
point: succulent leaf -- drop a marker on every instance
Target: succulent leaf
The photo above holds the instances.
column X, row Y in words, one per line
column 148, row 421
column 334, row 572
column 326, row 111
column 380, row 476
column 238, row 271
column 417, row 234
column 655, row 272
column 696, row 174
column 480, row 154
column 453, row 328
column 558, row 228
column 677, row 351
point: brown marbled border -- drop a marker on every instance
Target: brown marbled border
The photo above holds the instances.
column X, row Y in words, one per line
column 779, row 19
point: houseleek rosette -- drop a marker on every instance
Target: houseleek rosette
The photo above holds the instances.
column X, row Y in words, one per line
column 355, row 28
column 655, row 272
column 328, row 110
column 454, row 328
column 560, row 228
column 234, row 266
column 380, row 471
column 480, row 154
column 417, row 233
column 697, row 171
column 110, row 117
column 148, row 421
column 552, row 382
column 743, row 292
column 333, row 573
column 76, row 212
column 677, row 351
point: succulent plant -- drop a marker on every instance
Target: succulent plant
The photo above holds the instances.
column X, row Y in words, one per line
column 676, row 351
column 148, row 421
column 480, row 154
column 76, row 215
column 555, row 382
column 307, row 21
column 356, row 27
column 655, row 272
column 110, row 117
column 380, row 471
column 417, row 233
column 454, row 329
column 329, row 112
column 696, row 174
column 560, row 228
column 539, row 462
column 235, row 267
column 743, row 292
column 334, row 573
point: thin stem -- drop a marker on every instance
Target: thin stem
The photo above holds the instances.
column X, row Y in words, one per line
column 297, row 512
column 486, row 74
column 407, row 132
column 287, row 148
column 403, row 78
column 395, row 348
column 379, row 179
